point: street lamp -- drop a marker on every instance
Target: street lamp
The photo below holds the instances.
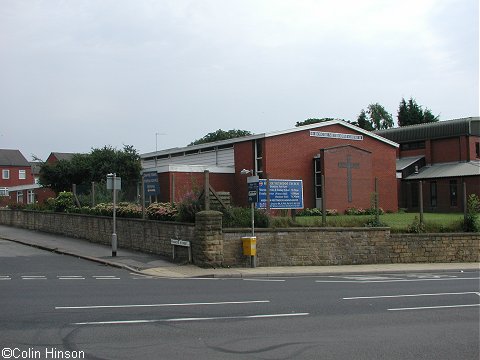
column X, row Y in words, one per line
column 113, row 178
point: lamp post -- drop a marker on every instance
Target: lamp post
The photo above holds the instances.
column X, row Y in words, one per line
column 113, row 179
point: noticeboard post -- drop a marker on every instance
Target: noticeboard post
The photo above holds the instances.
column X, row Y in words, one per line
column 283, row 194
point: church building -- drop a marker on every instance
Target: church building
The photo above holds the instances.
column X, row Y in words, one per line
column 350, row 159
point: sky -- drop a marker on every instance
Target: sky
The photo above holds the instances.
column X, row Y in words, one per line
column 158, row 74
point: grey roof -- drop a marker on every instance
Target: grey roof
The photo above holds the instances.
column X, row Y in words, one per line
column 446, row 170
column 270, row 134
column 407, row 161
column 437, row 130
column 63, row 156
column 12, row 158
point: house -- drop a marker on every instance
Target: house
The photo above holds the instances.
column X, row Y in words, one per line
column 57, row 156
column 18, row 180
column 350, row 159
column 441, row 159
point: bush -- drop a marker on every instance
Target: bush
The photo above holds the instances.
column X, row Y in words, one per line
column 188, row 206
column 64, row 202
column 242, row 217
column 470, row 223
column 162, row 211
column 416, row 227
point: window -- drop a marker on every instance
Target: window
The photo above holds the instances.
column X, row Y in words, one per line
column 433, row 194
column 415, row 194
column 22, row 174
column 258, row 158
column 413, row 145
column 30, row 197
column 5, row 174
column 19, row 197
column 477, row 149
column 3, row 191
column 453, row 193
column 317, row 163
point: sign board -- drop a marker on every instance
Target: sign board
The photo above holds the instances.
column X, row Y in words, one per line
column 332, row 135
column 150, row 183
column 284, row 194
column 252, row 182
column 180, row 242
column 118, row 183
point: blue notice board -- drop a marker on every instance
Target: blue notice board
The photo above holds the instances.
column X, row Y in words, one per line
column 284, row 194
column 150, row 183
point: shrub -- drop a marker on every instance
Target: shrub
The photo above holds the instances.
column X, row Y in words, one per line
column 416, row 227
column 470, row 223
column 64, row 202
column 242, row 217
column 188, row 206
column 162, row 211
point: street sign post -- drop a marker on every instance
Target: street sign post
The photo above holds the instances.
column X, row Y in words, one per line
column 114, row 183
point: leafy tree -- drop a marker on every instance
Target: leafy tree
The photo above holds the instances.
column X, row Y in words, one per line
column 375, row 118
column 220, row 135
column 312, row 121
column 82, row 169
column 410, row 113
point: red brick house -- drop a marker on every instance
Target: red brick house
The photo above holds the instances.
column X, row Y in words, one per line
column 444, row 156
column 17, row 180
column 349, row 157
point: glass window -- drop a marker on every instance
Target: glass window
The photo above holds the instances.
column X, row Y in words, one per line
column 19, row 197
column 22, row 174
column 5, row 174
column 3, row 191
column 477, row 149
column 30, row 197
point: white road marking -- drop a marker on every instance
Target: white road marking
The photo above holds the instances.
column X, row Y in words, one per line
column 400, row 296
column 434, row 307
column 106, row 277
column 393, row 280
column 5, row 277
column 34, row 277
column 266, row 280
column 246, row 317
column 161, row 305
column 70, row 277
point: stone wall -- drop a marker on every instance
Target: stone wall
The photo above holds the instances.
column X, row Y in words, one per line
column 136, row 234
column 214, row 246
column 336, row 246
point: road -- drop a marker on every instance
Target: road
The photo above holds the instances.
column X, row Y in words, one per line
column 52, row 305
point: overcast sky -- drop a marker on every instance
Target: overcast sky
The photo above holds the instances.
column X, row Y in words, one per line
column 78, row 74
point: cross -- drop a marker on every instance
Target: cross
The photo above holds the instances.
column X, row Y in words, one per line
column 349, row 166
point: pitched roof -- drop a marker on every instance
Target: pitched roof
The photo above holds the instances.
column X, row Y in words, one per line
column 266, row 135
column 444, row 170
column 62, row 156
column 436, row 130
column 12, row 158
column 405, row 162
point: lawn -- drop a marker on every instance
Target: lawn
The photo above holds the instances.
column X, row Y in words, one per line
column 398, row 221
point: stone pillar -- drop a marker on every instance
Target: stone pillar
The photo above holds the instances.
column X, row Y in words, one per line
column 207, row 249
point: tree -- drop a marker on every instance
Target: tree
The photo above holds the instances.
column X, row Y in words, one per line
column 82, row 169
column 375, row 118
column 410, row 113
column 312, row 121
column 220, row 135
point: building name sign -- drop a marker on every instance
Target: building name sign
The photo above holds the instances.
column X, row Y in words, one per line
column 332, row 135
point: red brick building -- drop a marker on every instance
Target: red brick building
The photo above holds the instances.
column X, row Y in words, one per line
column 444, row 156
column 349, row 157
column 17, row 180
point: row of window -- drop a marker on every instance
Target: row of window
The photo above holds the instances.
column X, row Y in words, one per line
column 22, row 174
column 453, row 190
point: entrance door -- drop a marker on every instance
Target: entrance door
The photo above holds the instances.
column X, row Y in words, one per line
column 318, row 182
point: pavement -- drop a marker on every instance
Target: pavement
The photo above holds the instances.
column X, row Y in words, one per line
column 156, row 265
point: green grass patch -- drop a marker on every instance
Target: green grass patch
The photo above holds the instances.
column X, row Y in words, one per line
column 398, row 222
